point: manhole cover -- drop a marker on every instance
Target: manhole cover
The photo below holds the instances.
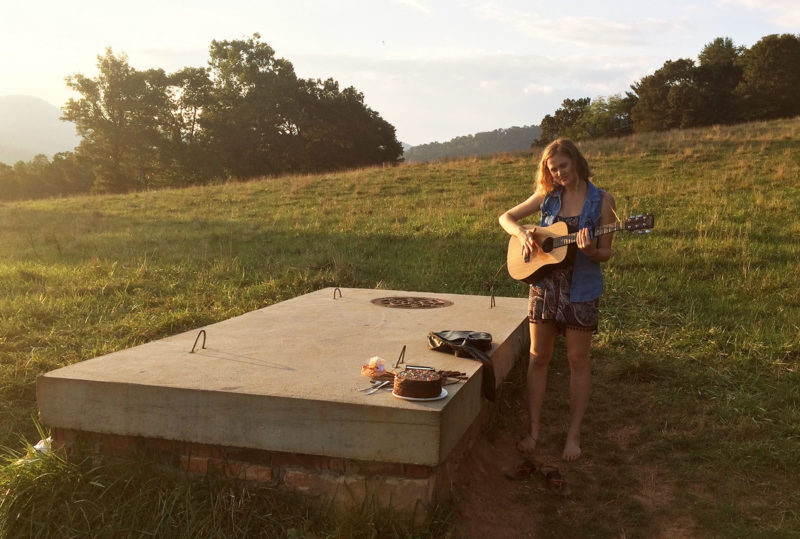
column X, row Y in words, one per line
column 411, row 302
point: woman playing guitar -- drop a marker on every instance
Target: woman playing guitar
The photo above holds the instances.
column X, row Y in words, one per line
column 565, row 300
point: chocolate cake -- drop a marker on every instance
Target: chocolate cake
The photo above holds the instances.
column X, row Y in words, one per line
column 418, row 384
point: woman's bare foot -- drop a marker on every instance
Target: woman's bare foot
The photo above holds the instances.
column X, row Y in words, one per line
column 526, row 445
column 572, row 450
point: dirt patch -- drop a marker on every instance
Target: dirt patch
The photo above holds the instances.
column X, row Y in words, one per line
column 656, row 494
column 622, row 436
column 488, row 504
column 615, row 490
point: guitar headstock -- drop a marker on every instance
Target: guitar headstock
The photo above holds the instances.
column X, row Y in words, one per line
column 639, row 223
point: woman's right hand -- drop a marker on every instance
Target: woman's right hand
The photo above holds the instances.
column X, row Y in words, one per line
column 525, row 237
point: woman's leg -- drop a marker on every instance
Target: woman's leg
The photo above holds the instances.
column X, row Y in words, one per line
column 579, row 345
column 543, row 337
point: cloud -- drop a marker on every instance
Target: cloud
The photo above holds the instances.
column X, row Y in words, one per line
column 169, row 59
column 538, row 89
column 419, row 5
column 429, row 99
column 591, row 31
column 784, row 13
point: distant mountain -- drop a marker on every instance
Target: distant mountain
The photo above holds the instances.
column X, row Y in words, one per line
column 30, row 126
column 490, row 142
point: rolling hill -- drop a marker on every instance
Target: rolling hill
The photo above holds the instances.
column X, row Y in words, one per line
column 30, row 126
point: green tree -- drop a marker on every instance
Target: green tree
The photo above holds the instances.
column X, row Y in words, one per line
column 770, row 78
column 40, row 177
column 335, row 129
column 245, row 115
column 667, row 99
column 718, row 75
column 562, row 122
column 9, row 183
column 32, row 178
column 365, row 137
column 248, row 118
column 261, row 119
column 604, row 117
column 186, row 147
column 120, row 117
column 71, row 175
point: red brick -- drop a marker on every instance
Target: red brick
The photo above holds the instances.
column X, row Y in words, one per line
column 299, row 460
column 204, row 450
column 368, row 468
column 228, row 468
column 164, row 446
column 257, row 472
column 417, row 471
column 297, row 479
column 255, row 456
column 63, row 435
column 119, row 446
column 194, row 464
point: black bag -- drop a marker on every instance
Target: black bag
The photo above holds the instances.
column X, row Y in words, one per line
column 472, row 344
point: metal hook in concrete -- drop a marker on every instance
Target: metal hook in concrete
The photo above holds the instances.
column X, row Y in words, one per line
column 203, row 333
column 335, row 290
column 492, row 302
column 401, row 359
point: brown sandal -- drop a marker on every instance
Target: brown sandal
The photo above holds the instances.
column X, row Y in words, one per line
column 522, row 471
column 551, row 474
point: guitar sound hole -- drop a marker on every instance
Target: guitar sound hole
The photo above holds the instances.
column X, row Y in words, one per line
column 547, row 245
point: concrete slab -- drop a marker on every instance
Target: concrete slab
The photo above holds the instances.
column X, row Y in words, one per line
column 286, row 378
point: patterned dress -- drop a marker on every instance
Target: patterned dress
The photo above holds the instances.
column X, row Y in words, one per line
column 549, row 298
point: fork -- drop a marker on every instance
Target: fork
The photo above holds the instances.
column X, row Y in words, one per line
column 371, row 386
column 376, row 388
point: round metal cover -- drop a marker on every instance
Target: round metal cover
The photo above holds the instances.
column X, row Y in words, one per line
column 411, row 302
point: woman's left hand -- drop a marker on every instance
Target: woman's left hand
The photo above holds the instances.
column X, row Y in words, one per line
column 586, row 243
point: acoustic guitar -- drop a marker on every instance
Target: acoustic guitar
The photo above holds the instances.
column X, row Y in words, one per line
column 551, row 242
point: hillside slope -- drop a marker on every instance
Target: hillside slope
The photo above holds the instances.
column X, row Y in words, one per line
column 31, row 126
column 512, row 139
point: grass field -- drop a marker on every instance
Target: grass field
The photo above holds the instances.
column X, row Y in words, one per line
column 694, row 423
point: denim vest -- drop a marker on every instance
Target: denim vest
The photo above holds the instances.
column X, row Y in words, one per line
column 587, row 278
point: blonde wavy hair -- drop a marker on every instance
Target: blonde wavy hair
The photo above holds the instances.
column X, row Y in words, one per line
column 544, row 180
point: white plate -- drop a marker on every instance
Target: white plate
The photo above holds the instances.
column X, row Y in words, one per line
column 442, row 395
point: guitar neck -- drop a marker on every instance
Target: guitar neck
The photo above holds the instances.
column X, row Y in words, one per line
column 569, row 239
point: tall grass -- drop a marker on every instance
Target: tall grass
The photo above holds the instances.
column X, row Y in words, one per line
column 52, row 497
column 695, row 416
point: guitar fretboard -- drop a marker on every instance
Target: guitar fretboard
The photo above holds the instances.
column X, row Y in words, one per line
column 569, row 239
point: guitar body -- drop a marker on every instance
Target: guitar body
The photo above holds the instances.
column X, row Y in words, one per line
column 533, row 268
column 552, row 243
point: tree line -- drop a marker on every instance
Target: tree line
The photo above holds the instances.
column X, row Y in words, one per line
column 489, row 142
column 247, row 114
column 728, row 84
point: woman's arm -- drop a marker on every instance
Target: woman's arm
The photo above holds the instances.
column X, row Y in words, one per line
column 510, row 220
column 599, row 249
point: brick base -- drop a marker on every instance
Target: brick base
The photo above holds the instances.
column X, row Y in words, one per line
column 344, row 482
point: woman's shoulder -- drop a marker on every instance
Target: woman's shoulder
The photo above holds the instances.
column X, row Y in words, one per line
column 538, row 197
column 605, row 195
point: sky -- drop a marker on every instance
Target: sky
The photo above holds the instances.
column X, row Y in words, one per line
column 434, row 69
